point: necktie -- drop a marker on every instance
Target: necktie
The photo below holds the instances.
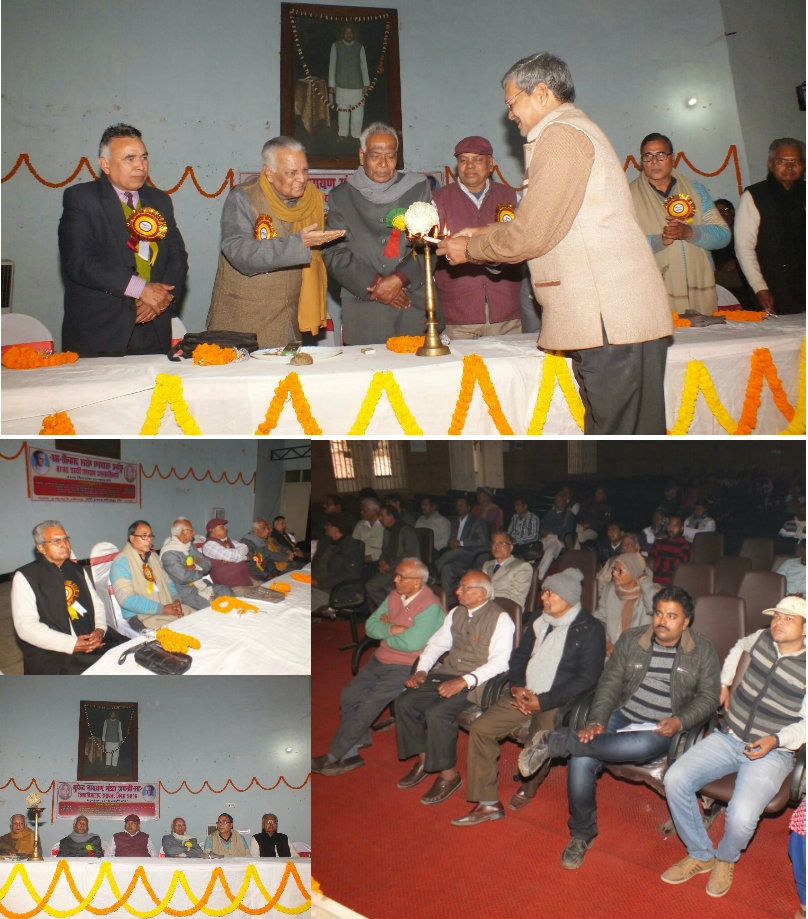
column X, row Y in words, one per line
column 497, row 567
column 130, row 200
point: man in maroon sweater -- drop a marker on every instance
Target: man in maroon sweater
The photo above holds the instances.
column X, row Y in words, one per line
column 667, row 554
column 476, row 300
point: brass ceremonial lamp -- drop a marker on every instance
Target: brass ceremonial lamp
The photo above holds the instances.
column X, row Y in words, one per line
column 33, row 800
column 432, row 346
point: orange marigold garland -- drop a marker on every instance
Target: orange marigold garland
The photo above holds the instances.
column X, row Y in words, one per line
column 742, row 315
column 24, row 357
column 59, row 423
column 762, row 365
column 680, row 322
column 405, row 344
column 213, row 354
column 797, row 423
column 289, row 386
column 475, row 371
column 300, row 576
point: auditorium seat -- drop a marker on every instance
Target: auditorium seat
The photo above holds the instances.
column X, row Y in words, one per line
column 760, row 549
column 708, row 548
column 729, row 572
column 761, row 590
column 722, row 619
column 587, row 562
column 697, row 580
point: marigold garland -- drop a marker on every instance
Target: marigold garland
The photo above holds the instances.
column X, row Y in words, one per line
column 230, row 604
column 301, row 576
column 762, row 365
column 24, row 357
column 554, row 369
column 797, row 424
column 405, row 344
column 168, row 393
column 176, row 641
column 742, row 315
column 205, row 355
column 680, row 322
column 475, row 371
column 59, row 423
column 384, row 380
column 697, row 378
column 281, row 586
column 289, row 386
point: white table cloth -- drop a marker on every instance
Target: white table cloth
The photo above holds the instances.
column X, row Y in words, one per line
column 159, row 873
column 112, row 395
column 274, row 641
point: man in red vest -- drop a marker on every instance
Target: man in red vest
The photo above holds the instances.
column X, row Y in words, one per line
column 227, row 558
column 132, row 843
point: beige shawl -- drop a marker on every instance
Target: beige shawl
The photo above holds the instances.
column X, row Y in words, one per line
column 140, row 584
column 236, row 849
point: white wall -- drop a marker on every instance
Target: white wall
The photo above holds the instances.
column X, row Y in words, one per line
column 202, row 83
column 163, row 500
column 194, row 729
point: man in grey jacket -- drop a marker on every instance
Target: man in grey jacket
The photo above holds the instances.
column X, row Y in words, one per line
column 186, row 566
column 660, row 679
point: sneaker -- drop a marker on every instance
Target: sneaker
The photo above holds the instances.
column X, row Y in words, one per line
column 686, row 869
column 573, row 856
column 535, row 754
column 720, row 878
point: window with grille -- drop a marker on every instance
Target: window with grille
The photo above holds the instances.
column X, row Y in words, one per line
column 359, row 464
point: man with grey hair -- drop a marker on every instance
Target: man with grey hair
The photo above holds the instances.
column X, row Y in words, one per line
column 370, row 530
column 58, row 617
column 269, row 843
column 770, row 230
column 271, row 279
column 602, row 297
column 478, row 637
column 186, row 566
column 121, row 276
column 404, row 622
column 383, row 287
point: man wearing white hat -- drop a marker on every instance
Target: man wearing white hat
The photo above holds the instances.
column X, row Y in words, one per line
column 764, row 725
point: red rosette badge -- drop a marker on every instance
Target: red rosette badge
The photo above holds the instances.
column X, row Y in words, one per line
column 264, row 227
column 681, row 207
column 147, row 572
column 504, row 213
column 148, row 224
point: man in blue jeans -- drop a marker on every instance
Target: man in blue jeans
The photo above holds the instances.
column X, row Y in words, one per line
column 765, row 723
column 660, row 679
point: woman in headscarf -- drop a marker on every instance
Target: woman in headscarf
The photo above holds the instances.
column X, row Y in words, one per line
column 177, row 844
column 628, row 601
column 80, row 843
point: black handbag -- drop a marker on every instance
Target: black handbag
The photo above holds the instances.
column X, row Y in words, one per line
column 185, row 348
column 153, row 656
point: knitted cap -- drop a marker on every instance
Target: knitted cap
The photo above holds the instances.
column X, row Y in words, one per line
column 474, row 144
column 633, row 562
column 566, row 584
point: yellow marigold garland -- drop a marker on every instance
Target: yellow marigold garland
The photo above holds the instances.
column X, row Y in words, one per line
column 797, row 424
column 289, row 386
column 58, row 423
column 405, row 344
column 205, row 354
column 176, row 641
column 697, row 377
column 555, row 369
column 475, row 371
column 168, row 392
column 384, row 380
column 24, row 357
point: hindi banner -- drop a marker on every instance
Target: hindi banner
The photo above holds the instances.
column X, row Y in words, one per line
column 107, row 800
column 54, row 475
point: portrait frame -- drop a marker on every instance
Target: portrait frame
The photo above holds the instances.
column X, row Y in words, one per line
column 309, row 112
column 93, row 763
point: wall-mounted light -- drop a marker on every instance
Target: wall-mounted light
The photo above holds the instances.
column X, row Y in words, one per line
column 691, row 102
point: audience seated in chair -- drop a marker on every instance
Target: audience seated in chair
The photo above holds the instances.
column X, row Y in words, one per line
column 286, row 541
column 400, row 541
column 186, row 566
column 698, row 522
column 132, row 842
column 668, row 553
column 19, row 840
column 523, row 529
column 510, row 576
column 177, row 844
column 224, row 842
column 793, row 570
column 628, row 601
column 269, row 843
column 467, row 537
column 228, row 558
column 339, row 557
column 665, row 676
column 556, row 525
column 630, row 543
column 81, row 843
column 485, row 508
column 433, row 520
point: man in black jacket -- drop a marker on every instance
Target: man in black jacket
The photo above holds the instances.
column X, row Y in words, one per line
column 560, row 657
column 660, row 679
column 338, row 558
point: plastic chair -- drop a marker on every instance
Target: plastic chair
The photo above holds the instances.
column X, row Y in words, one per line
column 102, row 556
column 178, row 330
column 729, row 572
column 697, row 580
column 19, row 329
column 722, row 619
column 760, row 549
column 708, row 548
column 761, row 590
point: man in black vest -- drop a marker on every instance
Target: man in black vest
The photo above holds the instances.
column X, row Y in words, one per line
column 770, row 231
column 123, row 257
column 269, row 843
column 478, row 637
column 58, row 616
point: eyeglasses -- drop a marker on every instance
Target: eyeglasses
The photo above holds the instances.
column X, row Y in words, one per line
column 59, row 541
column 500, row 542
column 405, row 577
column 143, row 535
column 780, row 161
column 470, row 587
column 656, row 157
column 509, row 102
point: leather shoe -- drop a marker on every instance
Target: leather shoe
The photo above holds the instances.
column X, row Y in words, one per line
column 414, row 776
column 317, row 762
column 342, row 766
column 441, row 790
column 480, row 814
column 519, row 799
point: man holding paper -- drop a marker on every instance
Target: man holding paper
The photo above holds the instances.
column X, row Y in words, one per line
column 660, row 679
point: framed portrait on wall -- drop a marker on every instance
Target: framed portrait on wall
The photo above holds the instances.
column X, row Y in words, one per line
column 107, row 741
column 339, row 73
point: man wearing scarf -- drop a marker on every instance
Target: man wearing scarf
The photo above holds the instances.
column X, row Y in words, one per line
column 770, row 230
column 224, row 842
column 680, row 244
column 80, row 843
column 177, row 844
column 185, row 564
column 271, row 278
column 627, row 599
column 58, row 616
column 20, row 841
column 383, row 286
column 141, row 587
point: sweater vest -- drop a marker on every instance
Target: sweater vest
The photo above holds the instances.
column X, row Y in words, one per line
column 471, row 638
column 131, row 846
column 401, row 615
column 770, row 694
column 348, row 70
column 231, row 574
column 272, row 846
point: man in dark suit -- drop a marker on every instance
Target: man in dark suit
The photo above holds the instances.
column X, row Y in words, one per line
column 468, row 536
column 121, row 277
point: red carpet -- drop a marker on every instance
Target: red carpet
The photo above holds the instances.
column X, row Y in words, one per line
column 378, row 850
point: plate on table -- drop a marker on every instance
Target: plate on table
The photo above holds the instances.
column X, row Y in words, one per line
column 277, row 354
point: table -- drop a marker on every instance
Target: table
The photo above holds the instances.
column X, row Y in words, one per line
column 274, row 641
column 311, row 102
column 242, row 877
column 112, row 395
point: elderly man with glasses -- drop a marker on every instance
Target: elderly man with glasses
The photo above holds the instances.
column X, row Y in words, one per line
column 682, row 224
column 142, row 588
column 58, row 616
